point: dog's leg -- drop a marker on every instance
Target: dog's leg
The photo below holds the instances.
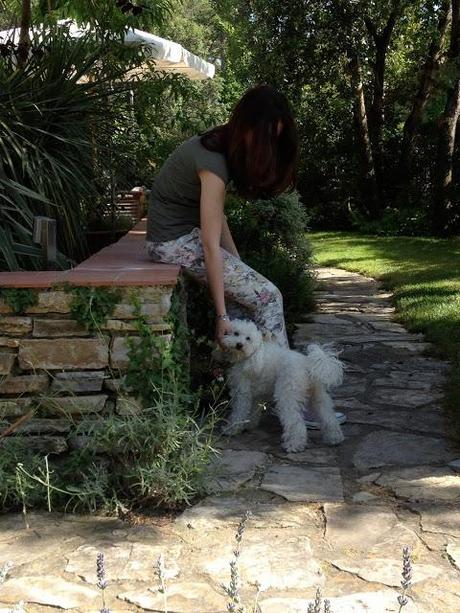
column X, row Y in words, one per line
column 323, row 405
column 241, row 408
column 256, row 414
column 288, row 407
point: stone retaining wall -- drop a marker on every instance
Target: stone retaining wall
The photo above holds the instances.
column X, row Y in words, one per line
column 53, row 369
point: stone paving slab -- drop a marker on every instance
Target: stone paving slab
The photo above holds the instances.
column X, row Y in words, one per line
column 423, row 483
column 277, row 559
column 331, row 517
column 385, row 570
column 439, row 518
column 371, row 602
column 48, row 590
column 216, row 512
column 182, row 597
column 304, row 483
column 400, row 449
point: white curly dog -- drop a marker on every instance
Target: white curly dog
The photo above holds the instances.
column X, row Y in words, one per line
column 262, row 371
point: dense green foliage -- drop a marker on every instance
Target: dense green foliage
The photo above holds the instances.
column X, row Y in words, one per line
column 385, row 161
column 55, row 142
column 424, row 276
column 158, row 364
column 373, row 85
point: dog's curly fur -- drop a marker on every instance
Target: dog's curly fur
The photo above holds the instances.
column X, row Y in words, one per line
column 262, row 371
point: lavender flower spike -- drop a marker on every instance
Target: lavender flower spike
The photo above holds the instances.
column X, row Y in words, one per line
column 406, row 578
column 407, row 569
column 100, row 571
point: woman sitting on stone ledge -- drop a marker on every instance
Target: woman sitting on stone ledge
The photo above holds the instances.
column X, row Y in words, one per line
column 257, row 151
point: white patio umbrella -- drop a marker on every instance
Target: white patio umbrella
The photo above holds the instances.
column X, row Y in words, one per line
column 168, row 55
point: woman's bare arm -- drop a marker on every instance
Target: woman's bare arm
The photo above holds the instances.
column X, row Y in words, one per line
column 211, row 218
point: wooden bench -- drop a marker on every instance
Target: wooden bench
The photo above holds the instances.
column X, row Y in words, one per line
column 131, row 204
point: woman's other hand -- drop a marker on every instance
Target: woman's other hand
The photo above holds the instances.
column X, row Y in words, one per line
column 223, row 327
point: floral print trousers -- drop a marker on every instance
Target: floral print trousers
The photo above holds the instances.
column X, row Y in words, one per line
column 248, row 294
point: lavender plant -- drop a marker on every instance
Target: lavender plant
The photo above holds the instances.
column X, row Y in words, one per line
column 160, row 572
column 318, row 606
column 406, row 578
column 101, row 580
column 233, row 589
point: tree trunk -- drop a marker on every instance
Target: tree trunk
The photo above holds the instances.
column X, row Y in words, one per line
column 442, row 206
column 24, row 36
column 427, row 75
column 381, row 42
column 371, row 197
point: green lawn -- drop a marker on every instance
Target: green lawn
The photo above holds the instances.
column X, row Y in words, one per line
column 423, row 273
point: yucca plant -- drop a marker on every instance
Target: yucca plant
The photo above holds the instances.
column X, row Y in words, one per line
column 53, row 112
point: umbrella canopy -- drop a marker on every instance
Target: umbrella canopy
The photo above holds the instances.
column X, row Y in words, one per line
column 168, row 55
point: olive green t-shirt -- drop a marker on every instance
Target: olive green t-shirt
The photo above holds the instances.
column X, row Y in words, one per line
column 174, row 205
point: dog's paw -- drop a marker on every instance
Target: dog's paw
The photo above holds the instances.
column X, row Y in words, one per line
column 333, row 435
column 294, row 446
column 232, row 429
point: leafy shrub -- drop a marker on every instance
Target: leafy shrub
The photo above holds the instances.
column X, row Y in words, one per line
column 394, row 222
column 69, row 138
column 291, row 278
column 154, row 456
column 271, row 237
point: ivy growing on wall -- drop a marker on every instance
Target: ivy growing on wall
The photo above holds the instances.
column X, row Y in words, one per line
column 19, row 299
column 158, row 363
column 92, row 306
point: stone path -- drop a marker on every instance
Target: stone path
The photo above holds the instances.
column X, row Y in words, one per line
column 331, row 517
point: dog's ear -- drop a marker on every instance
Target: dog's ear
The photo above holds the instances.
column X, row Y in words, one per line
column 266, row 335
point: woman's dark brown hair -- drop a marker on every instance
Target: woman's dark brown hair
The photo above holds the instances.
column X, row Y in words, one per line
column 259, row 142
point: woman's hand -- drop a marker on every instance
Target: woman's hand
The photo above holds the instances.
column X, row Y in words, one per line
column 222, row 328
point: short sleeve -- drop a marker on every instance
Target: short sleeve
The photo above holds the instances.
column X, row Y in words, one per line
column 211, row 160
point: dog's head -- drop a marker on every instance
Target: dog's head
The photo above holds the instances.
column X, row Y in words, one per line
column 243, row 339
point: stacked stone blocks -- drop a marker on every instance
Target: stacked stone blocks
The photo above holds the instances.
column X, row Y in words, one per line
column 56, row 370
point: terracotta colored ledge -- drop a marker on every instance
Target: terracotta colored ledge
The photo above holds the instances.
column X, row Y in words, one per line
column 125, row 263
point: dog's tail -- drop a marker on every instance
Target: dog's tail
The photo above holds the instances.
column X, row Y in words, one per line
column 323, row 365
